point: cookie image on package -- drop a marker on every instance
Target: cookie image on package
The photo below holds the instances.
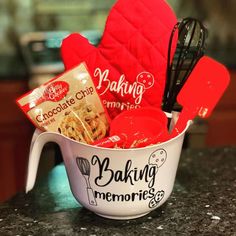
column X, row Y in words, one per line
column 83, row 124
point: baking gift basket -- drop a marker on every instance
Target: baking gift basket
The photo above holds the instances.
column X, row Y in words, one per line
column 106, row 112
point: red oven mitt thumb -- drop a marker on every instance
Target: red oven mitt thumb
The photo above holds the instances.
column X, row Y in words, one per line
column 129, row 65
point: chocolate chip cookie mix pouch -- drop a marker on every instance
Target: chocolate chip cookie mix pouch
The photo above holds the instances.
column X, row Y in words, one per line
column 68, row 104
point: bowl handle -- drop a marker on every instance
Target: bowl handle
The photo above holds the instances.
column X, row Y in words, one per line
column 38, row 141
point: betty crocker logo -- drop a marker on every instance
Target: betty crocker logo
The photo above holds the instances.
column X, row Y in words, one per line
column 144, row 81
column 128, row 173
column 56, row 91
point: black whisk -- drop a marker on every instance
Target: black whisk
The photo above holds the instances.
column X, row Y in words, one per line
column 190, row 48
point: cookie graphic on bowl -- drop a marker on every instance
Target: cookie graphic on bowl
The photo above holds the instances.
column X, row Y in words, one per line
column 158, row 158
column 157, row 198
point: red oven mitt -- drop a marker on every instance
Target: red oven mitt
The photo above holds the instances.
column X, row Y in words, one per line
column 129, row 65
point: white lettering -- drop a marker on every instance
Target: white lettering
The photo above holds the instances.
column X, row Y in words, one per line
column 122, row 87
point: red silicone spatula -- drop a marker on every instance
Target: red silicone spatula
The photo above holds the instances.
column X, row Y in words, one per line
column 202, row 91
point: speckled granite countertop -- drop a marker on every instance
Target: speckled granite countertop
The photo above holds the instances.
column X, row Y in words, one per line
column 203, row 202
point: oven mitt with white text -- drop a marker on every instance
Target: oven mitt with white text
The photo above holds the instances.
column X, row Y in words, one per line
column 129, row 65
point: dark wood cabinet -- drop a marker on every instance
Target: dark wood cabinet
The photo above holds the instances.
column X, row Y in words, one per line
column 15, row 135
column 222, row 123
